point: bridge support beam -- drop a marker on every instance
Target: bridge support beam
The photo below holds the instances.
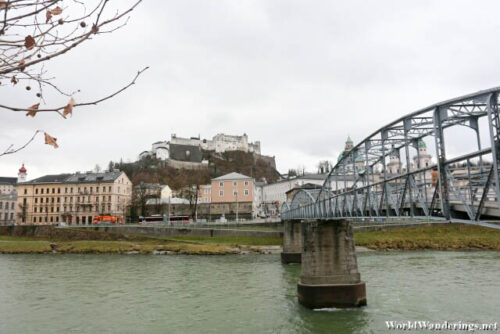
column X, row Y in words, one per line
column 292, row 242
column 329, row 276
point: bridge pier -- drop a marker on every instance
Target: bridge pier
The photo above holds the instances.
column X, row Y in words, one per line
column 329, row 276
column 292, row 242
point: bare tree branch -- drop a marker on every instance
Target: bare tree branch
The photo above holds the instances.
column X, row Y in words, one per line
column 12, row 150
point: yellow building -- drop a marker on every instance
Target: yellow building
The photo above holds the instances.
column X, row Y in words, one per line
column 73, row 198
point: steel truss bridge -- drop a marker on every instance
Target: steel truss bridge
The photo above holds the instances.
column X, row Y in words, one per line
column 364, row 184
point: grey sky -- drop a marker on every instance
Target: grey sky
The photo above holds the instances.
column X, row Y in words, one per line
column 297, row 75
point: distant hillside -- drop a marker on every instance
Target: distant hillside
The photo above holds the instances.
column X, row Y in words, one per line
column 150, row 170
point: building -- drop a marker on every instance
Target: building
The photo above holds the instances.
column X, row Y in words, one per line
column 8, row 208
column 73, row 198
column 233, row 194
column 177, row 148
column 276, row 192
column 205, row 193
column 152, row 190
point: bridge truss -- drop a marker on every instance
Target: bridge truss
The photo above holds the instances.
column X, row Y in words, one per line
column 378, row 179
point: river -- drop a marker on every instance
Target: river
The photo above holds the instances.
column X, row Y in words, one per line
column 71, row 293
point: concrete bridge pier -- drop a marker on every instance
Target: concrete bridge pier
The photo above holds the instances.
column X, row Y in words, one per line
column 292, row 242
column 329, row 276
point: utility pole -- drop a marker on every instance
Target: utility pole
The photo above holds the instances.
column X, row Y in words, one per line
column 236, row 194
column 169, row 201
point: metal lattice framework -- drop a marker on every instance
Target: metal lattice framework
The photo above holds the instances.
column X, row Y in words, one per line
column 377, row 178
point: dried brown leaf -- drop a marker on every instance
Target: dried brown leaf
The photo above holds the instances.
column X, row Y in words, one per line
column 48, row 16
column 68, row 109
column 56, row 11
column 49, row 140
column 33, row 110
column 14, row 80
column 29, row 42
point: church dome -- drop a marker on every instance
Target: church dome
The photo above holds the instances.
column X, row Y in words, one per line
column 421, row 144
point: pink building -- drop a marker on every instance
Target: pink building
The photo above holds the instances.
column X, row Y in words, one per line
column 233, row 187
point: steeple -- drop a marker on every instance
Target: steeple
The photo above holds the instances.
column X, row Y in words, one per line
column 21, row 176
column 349, row 144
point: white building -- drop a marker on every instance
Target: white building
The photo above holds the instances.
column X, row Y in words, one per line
column 276, row 192
column 219, row 143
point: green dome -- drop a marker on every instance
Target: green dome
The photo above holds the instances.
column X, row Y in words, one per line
column 421, row 144
column 349, row 140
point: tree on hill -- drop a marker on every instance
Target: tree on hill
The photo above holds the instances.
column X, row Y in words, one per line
column 34, row 32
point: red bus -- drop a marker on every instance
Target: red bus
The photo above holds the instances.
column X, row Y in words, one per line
column 179, row 219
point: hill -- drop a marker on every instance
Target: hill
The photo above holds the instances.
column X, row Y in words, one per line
column 151, row 170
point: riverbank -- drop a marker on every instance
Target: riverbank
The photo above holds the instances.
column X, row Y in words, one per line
column 438, row 237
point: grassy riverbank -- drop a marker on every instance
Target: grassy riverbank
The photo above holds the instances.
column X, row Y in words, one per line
column 142, row 245
column 450, row 236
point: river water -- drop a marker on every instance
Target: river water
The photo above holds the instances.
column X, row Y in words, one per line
column 236, row 293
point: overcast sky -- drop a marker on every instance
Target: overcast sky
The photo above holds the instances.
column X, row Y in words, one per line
column 297, row 75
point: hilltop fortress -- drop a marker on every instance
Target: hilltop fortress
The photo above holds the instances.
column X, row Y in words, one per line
column 187, row 152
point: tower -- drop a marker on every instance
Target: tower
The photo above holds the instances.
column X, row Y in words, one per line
column 349, row 144
column 21, row 176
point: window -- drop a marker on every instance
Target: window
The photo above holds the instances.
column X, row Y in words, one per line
column 1, row 206
column 41, row 199
column 48, row 191
column 221, row 184
column 12, row 206
column 36, row 191
column 246, row 183
column 51, row 219
column 41, row 191
column 221, row 193
column 66, row 190
column 39, row 219
column 25, row 191
column 58, row 190
column 235, row 183
column 235, row 193
column 36, row 200
column 246, row 192
column 53, row 190
column 34, row 219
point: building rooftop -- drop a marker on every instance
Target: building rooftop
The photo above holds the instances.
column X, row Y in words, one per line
column 8, row 180
column 233, row 176
column 88, row 177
